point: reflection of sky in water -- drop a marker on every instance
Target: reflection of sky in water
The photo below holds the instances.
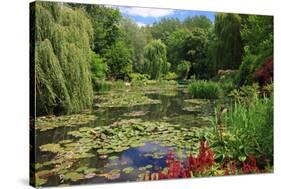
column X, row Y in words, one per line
column 135, row 156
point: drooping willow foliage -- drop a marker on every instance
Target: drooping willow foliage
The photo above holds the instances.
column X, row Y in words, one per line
column 229, row 43
column 155, row 62
column 62, row 56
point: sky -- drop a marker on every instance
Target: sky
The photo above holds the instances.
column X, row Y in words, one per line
column 147, row 16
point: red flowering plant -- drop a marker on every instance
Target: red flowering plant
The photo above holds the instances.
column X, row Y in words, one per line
column 203, row 164
column 194, row 166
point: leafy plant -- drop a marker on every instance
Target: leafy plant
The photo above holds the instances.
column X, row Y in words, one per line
column 183, row 69
column 246, row 128
column 204, row 89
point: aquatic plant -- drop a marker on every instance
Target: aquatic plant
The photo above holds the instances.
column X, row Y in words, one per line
column 126, row 99
column 204, row 89
column 45, row 123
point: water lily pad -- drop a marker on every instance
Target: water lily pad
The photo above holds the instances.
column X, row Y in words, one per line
column 148, row 166
column 112, row 175
column 197, row 101
column 113, row 157
column 39, row 181
column 73, row 176
column 128, row 170
column 90, row 175
column 51, row 122
column 51, row 148
column 124, row 100
column 135, row 114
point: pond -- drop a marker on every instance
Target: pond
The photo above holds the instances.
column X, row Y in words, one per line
column 128, row 134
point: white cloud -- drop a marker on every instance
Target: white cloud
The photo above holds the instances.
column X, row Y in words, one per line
column 146, row 12
column 140, row 24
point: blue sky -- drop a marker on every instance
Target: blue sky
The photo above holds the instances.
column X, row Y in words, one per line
column 147, row 16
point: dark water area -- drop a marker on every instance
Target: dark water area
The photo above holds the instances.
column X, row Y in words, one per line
column 171, row 109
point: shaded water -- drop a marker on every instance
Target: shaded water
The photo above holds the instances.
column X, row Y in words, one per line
column 172, row 109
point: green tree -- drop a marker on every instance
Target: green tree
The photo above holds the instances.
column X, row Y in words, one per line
column 200, row 21
column 163, row 28
column 155, row 59
column 183, row 69
column 62, row 56
column 136, row 38
column 257, row 35
column 195, row 51
column 228, row 54
column 105, row 23
column 175, row 47
column 119, row 60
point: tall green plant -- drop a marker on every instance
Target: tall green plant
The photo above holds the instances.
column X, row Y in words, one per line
column 204, row 89
column 62, row 56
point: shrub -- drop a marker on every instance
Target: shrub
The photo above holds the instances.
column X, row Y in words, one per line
column 183, row 69
column 204, row 89
column 101, row 85
column 138, row 77
column 171, row 76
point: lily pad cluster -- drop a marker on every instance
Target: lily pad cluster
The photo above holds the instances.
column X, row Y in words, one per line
column 125, row 134
column 197, row 105
column 45, row 123
column 125, row 99
column 135, row 114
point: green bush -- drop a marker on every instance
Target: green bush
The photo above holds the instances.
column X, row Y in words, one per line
column 103, row 85
column 138, row 77
column 171, row 76
column 183, row 69
column 204, row 89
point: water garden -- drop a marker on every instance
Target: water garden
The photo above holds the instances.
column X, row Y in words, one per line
column 118, row 102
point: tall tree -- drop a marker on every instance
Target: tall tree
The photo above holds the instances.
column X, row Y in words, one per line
column 136, row 38
column 155, row 59
column 175, row 46
column 119, row 60
column 105, row 23
column 62, row 56
column 257, row 34
column 163, row 28
column 229, row 44
column 200, row 21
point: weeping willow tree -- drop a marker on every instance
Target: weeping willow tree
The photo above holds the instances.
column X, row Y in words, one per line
column 155, row 59
column 62, row 56
column 228, row 52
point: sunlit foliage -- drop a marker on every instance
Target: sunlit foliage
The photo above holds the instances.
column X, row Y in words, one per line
column 62, row 56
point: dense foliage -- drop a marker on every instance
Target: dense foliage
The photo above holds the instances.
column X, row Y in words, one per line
column 155, row 63
column 204, row 89
column 229, row 44
column 245, row 129
column 62, row 56
column 257, row 34
column 88, row 44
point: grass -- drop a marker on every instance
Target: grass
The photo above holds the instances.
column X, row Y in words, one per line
column 204, row 89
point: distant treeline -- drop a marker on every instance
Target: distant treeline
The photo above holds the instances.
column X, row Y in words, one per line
column 77, row 45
